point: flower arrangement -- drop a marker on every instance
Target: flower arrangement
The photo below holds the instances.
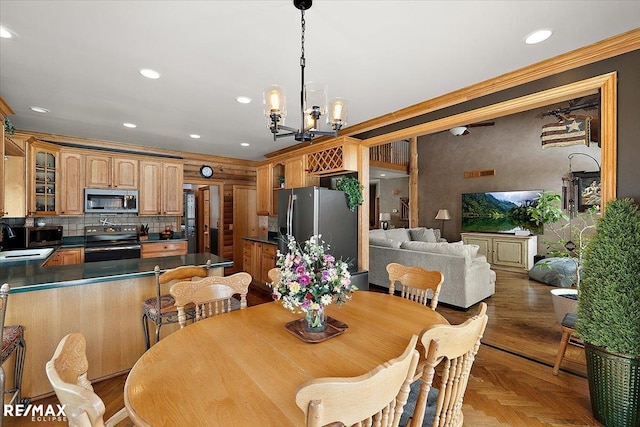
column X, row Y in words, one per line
column 311, row 278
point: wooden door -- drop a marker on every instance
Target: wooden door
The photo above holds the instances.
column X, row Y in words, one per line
column 294, row 172
column 203, row 214
column 245, row 220
column 71, row 183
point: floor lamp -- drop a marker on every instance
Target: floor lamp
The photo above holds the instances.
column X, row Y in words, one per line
column 443, row 215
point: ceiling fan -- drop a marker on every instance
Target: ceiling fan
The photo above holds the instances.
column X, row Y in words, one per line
column 464, row 130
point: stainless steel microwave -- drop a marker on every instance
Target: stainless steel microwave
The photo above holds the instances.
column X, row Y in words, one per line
column 110, row 201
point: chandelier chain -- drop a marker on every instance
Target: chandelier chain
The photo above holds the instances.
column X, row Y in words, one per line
column 302, row 24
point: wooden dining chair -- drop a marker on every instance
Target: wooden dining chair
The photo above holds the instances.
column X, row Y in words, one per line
column 377, row 396
column 12, row 341
column 161, row 308
column 67, row 372
column 274, row 275
column 417, row 283
column 211, row 295
column 451, row 348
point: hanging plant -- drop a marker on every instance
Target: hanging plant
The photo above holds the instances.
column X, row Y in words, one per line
column 353, row 190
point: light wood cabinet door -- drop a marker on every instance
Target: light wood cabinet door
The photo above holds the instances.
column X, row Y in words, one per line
column 111, row 172
column 71, row 183
column 97, row 171
column 294, row 172
column 125, row 173
column 264, row 185
column 172, row 181
column 267, row 262
column 66, row 256
column 149, row 194
column 43, row 180
column 160, row 188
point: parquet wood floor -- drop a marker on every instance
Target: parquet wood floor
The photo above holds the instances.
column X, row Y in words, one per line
column 505, row 388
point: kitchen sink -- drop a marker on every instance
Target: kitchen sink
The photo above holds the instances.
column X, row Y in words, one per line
column 25, row 254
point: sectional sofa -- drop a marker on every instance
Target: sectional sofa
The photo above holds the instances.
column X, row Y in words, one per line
column 468, row 278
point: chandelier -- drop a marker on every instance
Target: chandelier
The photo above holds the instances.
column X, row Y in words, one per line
column 313, row 102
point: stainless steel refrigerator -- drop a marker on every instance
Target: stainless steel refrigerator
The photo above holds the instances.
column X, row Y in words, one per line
column 189, row 228
column 303, row 212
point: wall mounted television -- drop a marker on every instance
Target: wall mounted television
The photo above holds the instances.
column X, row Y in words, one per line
column 499, row 211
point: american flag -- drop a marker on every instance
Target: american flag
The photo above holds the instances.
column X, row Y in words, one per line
column 571, row 131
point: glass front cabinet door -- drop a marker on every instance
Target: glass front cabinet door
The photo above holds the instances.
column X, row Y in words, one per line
column 44, row 172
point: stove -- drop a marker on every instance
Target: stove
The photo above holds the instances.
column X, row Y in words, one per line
column 110, row 242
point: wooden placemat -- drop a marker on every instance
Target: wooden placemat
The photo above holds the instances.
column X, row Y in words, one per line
column 334, row 328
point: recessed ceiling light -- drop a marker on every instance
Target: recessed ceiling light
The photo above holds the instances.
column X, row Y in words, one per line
column 39, row 110
column 6, row 33
column 245, row 144
column 129, row 125
column 243, row 100
column 195, row 136
column 383, row 174
column 150, row 74
column 538, row 36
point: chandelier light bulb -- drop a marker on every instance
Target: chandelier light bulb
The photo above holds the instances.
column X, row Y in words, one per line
column 338, row 113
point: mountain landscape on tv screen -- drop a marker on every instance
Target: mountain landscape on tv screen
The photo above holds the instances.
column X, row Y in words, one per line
column 498, row 212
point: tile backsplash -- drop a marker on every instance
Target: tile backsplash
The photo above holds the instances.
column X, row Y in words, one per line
column 74, row 226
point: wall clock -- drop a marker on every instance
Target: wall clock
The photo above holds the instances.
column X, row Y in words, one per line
column 206, row 171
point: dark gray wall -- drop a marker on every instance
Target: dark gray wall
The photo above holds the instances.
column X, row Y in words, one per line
column 627, row 66
column 511, row 147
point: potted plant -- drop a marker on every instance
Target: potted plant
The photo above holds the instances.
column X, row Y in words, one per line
column 566, row 253
column 353, row 190
column 609, row 315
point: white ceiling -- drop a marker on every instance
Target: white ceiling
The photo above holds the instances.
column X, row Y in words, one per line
column 80, row 60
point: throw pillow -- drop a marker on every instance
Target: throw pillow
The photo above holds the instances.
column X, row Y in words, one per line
column 423, row 234
column 384, row 242
column 377, row 233
column 398, row 234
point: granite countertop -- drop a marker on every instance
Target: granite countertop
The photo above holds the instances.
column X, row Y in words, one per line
column 270, row 241
column 26, row 276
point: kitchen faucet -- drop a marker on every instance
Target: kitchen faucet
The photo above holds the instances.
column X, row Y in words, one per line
column 7, row 228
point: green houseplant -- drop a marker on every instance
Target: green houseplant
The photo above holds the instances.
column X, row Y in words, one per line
column 353, row 190
column 609, row 315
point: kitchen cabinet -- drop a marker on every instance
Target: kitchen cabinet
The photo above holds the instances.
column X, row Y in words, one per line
column 104, row 171
column 257, row 259
column 296, row 175
column 66, row 256
column 43, row 175
column 2, row 211
column 162, row 249
column 71, row 183
column 267, row 185
column 160, row 188
column 505, row 251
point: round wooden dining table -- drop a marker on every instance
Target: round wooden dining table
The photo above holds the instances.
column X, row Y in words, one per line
column 243, row 368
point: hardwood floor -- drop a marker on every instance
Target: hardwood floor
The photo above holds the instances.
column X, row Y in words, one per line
column 511, row 381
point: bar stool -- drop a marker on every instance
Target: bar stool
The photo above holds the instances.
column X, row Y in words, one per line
column 568, row 329
column 12, row 340
column 161, row 309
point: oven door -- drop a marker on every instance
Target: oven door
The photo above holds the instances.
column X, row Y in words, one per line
column 111, row 253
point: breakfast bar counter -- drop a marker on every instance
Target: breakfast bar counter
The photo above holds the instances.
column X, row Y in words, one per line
column 102, row 300
column 26, row 276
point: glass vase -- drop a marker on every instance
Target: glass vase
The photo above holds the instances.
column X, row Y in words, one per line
column 316, row 321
